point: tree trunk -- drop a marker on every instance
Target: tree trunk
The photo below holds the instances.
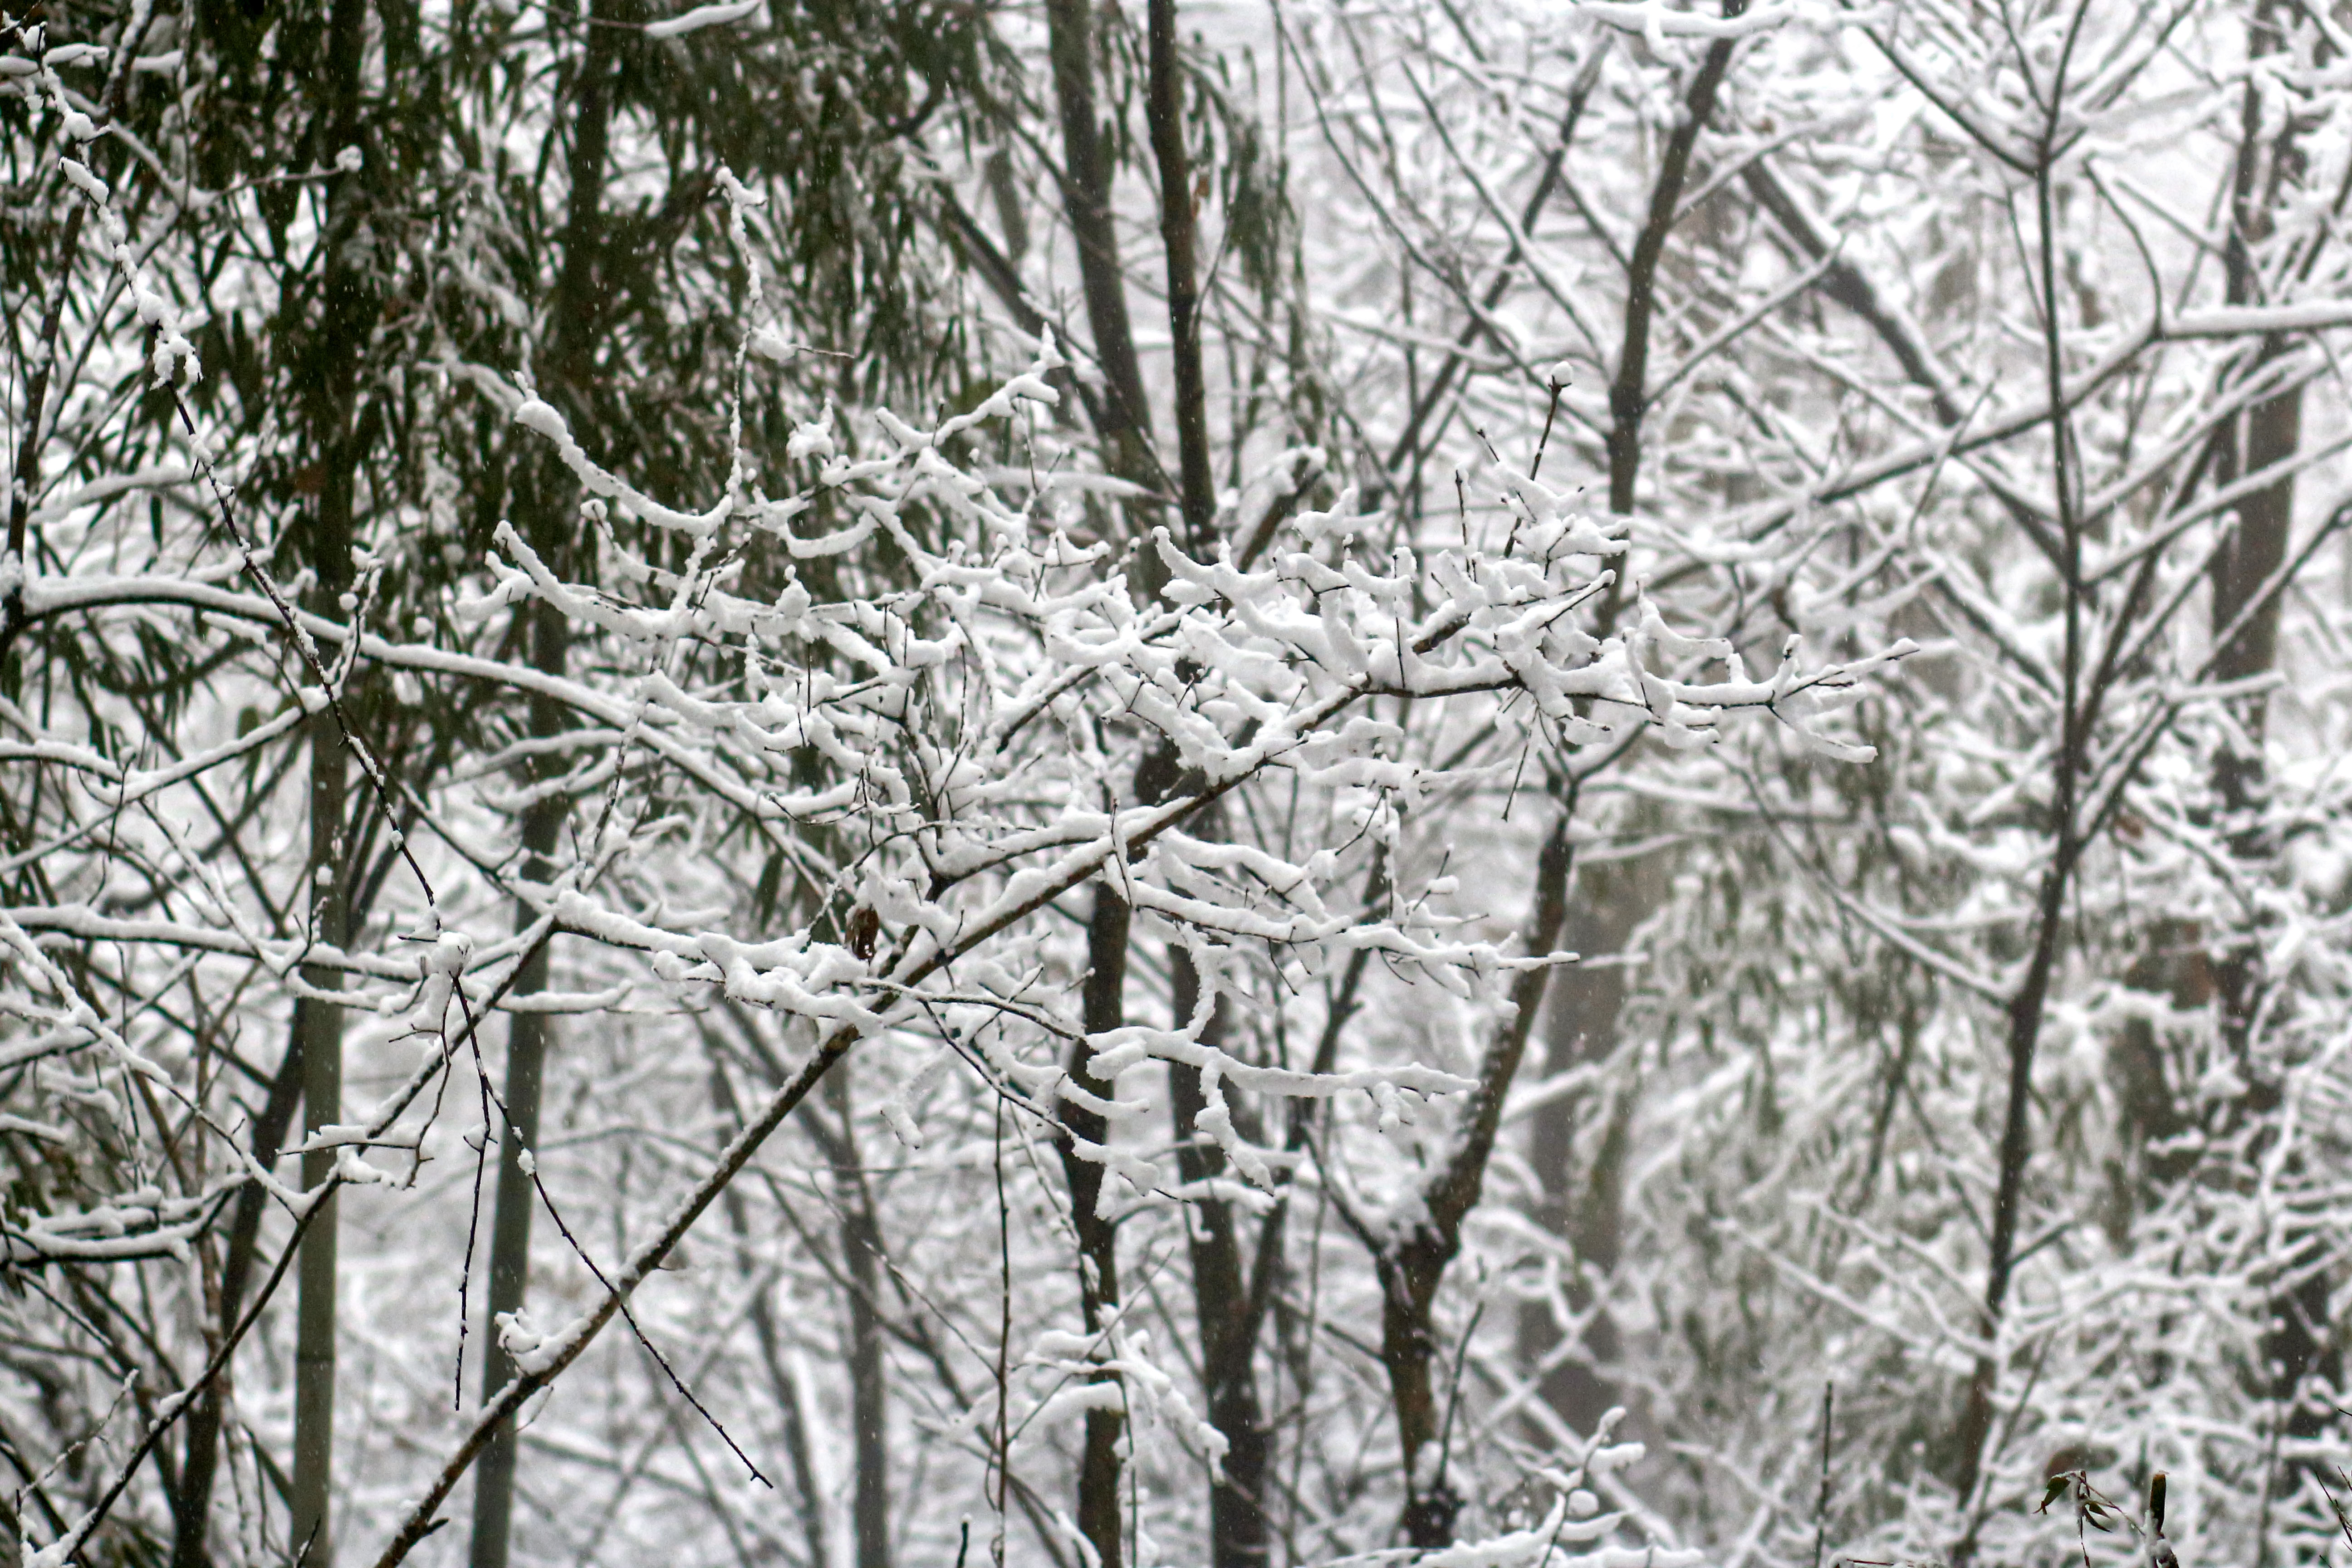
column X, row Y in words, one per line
column 528, row 1038
column 348, row 315
column 1179, row 236
column 1085, row 201
column 1104, row 999
column 530, row 1035
column 1226, row 1310
column 2024, row 1035
column 1410, row 1276
column 1124, row 425
column 787, row 1391
column 2077, row 714
column 322, row 1096
column 1223, row 1304
column 192, row 1508
column 2300, row 1347
column 1586, row 1026
column 1412, row 1268
column 2254, row 551
column 1629, row 392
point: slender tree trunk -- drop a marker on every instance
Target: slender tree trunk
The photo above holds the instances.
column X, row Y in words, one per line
column 1585, row 1025
column 322, row 1093
column 2025, row 1035
column 1629, row 392
column 2256, row 550
column 1413, row 1270
column 2076, row 714
column 530, row 1035
column 1412, row 1267
column 192, row 1510
column 1850, row 288
column 348, row 315
column 1178, row 235
column 1086, row 200
column 2300, row 1347
column 1123, row 422
column 1225, row 1306
column 2274, row 430
column 2147, row 1098
column 1104, row 999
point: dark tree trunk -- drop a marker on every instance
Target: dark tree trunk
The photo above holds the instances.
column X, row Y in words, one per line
column 1589, row 1002
column 1629, row 392
column 191, row 1510
column 347, row 316
column 2300, row 1348
column 530, row 1036
column 1178, row 235
column 1412, row 1268
column 1099, row 1511
column 1085, row 201
column 1225, row 1306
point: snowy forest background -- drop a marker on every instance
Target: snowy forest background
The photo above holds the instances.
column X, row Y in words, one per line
column 806, row 781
